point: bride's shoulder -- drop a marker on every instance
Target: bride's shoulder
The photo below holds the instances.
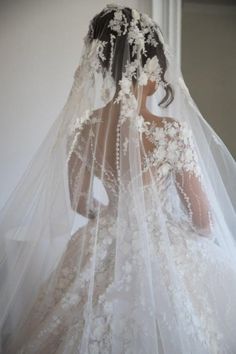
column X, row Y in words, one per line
column 165, row 122
column 171, row 120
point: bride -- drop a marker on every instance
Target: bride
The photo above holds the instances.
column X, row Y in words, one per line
column 120, row 237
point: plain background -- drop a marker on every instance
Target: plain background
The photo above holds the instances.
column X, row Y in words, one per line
column 209, row 62
column 40, row 43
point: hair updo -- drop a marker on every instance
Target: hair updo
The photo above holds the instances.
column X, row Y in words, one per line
column 99, row 29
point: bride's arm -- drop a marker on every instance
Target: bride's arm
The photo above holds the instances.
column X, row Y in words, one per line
column 80, row 192
column 195, row 200
column 190, row 186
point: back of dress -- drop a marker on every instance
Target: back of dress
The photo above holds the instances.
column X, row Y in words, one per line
column 167, row 162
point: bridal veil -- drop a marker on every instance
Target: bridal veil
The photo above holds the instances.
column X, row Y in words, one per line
column 118, row 185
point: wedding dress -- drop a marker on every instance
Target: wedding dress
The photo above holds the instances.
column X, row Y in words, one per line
column 150, row 266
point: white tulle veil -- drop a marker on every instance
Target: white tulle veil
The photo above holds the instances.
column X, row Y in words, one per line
column 94, row 166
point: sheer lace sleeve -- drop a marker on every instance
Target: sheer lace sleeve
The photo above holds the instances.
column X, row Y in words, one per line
column 190, row 184
column 79, row 169
column 79, row 198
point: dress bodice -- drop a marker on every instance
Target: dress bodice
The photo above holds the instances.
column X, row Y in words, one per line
column 172, row 151
column 168, row 163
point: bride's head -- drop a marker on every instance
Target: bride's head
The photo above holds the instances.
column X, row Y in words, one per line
column 126, row 38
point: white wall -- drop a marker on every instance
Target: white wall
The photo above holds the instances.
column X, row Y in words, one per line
column 40, row 44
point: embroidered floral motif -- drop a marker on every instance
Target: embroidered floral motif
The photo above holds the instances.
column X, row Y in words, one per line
column 136, row 38
column 153, row 70
column 136, row 15
column 119, row 23
column 125, row 146
column 100, row 49
column 79, row 121
column 141, row 124
column 173, row 144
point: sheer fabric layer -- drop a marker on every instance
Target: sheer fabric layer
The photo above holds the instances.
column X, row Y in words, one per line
column 120, row 237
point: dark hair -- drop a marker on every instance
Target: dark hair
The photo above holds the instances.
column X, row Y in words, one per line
column 99, row 29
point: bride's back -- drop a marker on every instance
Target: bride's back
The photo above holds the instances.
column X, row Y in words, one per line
column 108, row 135
column 107, row 132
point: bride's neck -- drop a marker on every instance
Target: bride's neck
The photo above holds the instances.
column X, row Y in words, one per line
column 143, row 108
column 114, row 108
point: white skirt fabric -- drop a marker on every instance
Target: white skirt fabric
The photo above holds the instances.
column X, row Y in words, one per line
column 56, row 323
